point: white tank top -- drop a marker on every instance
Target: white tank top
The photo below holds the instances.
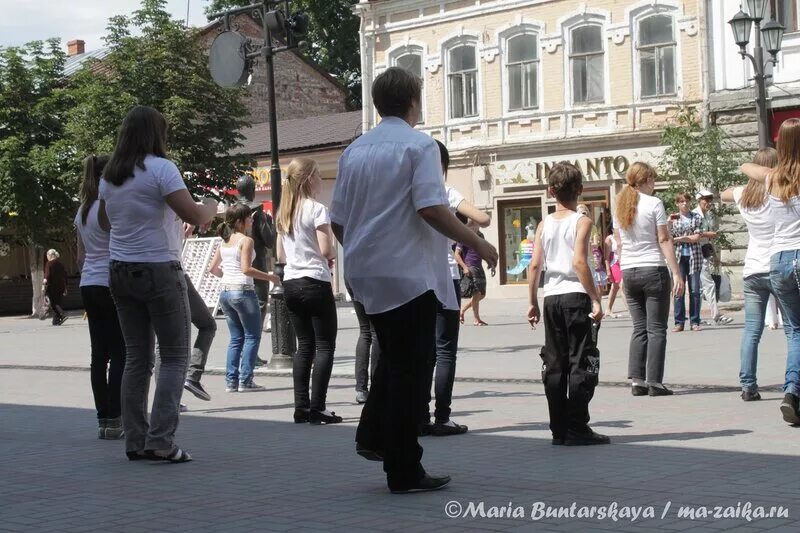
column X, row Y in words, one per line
column 787, row 224
column 232, row 265
column 558, row 246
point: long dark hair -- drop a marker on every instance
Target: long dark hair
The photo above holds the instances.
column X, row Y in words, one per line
column 142, row 133
column 236, row 213
column 444, row 154
column 92, row 169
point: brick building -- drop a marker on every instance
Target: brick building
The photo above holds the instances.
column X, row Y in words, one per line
column 512, row 86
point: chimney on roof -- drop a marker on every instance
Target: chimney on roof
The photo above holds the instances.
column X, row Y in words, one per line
column 76, row 47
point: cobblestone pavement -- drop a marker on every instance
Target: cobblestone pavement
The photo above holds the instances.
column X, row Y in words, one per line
column 254, row 470
column 507, row 349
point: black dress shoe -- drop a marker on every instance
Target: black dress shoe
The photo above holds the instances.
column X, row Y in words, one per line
column 557, row 441
column 319, row 417
column 638, row 390
column 584, row 438
column 426, row 484
column 301, row 416
column 368, row 453
column 444, row 430
column 659, row 391
column 750, row 396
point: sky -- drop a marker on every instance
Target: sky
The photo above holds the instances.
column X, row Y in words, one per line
column 22, row 21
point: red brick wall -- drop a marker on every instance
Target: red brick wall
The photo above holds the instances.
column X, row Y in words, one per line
column 301, row 90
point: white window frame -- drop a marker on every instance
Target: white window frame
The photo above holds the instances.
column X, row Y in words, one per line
column 450, row 45
column 507, row 36
column 418, row 50
column 568, row 63
column 638, row 51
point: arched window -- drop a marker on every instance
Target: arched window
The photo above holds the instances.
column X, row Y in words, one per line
column 412, row 62
column 522, row 72
column 462, row 81
column 656, row 48
column 587, row 64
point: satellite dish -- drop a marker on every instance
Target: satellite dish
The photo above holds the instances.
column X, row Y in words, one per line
column 227, row 59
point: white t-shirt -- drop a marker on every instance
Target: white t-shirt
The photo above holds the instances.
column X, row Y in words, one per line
column 143, row 227
column 303, row 256
column 558, row 248
column 391, row 255
column 760, row 230
column 640, row 242
column 95, row 245
column 787, row 224
column 454, row 199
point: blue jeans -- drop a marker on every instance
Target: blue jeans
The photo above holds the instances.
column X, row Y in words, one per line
column 692, row 280
column 757, row 289
column 243, row 315
column 784, row 276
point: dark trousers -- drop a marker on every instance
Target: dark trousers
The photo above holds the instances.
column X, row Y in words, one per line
column 108, row 350
column 692, row 281
column 571, row 361
column 444, row 362
column 368, row 350
column 647, row 291
column 206, row 330
column 390, row 418
column 312, row 311
column 56, row 297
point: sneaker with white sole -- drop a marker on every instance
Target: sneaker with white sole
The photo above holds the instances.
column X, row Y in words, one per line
column 722, row 320
column 231, row 387
column 197, row 389
column 250, row 386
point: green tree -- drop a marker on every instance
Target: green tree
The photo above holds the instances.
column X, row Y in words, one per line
column 154, row 61
column 333, row 37
column 698, row 158
column 37, row 183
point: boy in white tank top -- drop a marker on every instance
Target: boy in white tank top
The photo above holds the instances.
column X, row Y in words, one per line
column 572, row 311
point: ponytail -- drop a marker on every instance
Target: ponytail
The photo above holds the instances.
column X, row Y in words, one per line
column 225, row 231
column 92, row 169
column 236, row 214
column 628, row 198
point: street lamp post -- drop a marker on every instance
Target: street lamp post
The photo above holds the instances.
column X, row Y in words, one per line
column 231, row 61
column 741, row 24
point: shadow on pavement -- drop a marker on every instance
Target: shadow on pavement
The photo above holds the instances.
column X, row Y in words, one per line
column 260, row 475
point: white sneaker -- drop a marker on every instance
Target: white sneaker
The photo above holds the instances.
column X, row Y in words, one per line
column 721, row 320
column 231, row 387
column 183, row 408
column 250, row 386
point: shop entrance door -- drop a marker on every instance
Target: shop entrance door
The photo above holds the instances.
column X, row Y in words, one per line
column 597, row 200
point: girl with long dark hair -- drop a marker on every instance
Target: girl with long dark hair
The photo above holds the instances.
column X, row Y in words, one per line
column 143, row 199
column 108, row 345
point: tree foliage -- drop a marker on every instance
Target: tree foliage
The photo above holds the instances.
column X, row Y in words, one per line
column 154, row 61
column 698, row 158
column 333, row 37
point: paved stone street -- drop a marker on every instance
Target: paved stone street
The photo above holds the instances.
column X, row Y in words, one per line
column 255, row 470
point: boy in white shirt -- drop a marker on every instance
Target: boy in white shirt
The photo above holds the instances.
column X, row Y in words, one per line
column 572, row 311
column 389, row 184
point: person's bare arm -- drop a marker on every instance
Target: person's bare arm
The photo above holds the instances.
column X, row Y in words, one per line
column 618, row 238
column 756, row 172
column 481, row 218
column 461, row 264
column 188, row 210
column 325, row 242
column 247, row 263
column 580, row 262
column 534, row 271
column 214, row 268
column 442, row 220
column 280, row 252
column 727, row 195
column 667, row 248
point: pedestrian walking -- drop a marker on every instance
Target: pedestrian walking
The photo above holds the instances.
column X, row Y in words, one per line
column 614, row 274
column 368, row 350
column 305, row 246
column 783, row 186
column 143, row 198
column 473, row 277
column 753, row 205
column 105, row 334
column 233, row 262
column 390, row 184
column 685, row 228
column 640, row 229
column 206, row 331
column 709, row 227
column 55, row 285
column 572, row 310
column 447, row 326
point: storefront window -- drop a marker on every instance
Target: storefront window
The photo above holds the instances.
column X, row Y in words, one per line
column 519, row 222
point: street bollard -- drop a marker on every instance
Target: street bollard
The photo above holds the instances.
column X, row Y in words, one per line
column 284, row 342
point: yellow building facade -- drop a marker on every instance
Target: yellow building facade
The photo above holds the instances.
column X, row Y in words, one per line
column 513, row 86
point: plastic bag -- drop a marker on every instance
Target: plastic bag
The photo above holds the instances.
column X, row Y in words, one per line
column 725, row 288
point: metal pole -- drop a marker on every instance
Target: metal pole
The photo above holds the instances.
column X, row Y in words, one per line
column 283, row 337
column 764, row 140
